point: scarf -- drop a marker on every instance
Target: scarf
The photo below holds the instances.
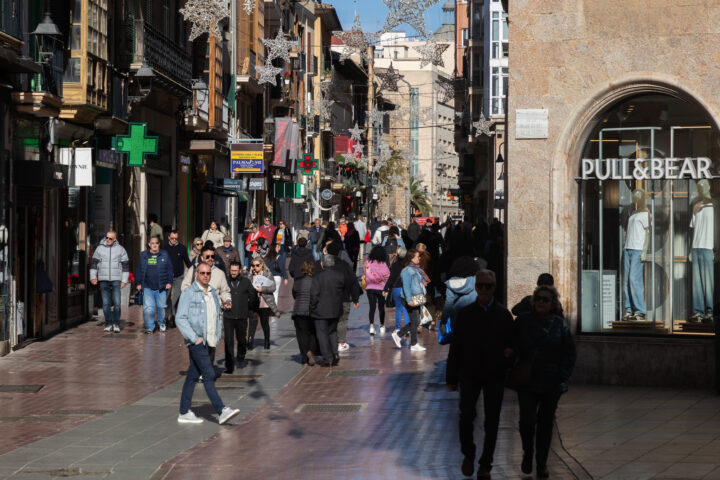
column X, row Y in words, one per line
column 421, row 272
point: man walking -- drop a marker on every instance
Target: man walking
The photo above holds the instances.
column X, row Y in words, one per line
column 317, row 232
column 477, row 362
column 201, row 331
column 228, row 253
column 351, row 294
column 179, row 259
column 110, row 267
column 154, row 278
column 155, row 230
column 268, row 231
column 361, row 228
column 326, row 293
column 245, row 301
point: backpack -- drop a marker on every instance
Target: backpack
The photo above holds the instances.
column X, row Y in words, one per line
column 391, row 246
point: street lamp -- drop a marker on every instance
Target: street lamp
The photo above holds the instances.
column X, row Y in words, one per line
column 500, row 158
column 143, row 78
column 47, row 38
column 269, row 125
column 200, row 92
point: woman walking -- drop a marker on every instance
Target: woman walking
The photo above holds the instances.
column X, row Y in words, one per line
column 251, row 242
column 393, row 287
column 414, row 281
column 543, row 340
column 195, row 251
column 263, row 282
column 460, row 292
column 304, row 325
column 376, row 276
column 352, row 244
column 213, row 234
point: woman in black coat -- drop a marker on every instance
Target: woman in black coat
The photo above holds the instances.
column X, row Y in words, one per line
column 304, row 325
column 352, row 244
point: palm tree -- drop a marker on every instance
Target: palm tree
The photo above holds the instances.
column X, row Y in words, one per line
column 419, row 196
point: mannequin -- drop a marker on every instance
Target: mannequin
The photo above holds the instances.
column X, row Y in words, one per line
column 636, row 241
column 703, row 244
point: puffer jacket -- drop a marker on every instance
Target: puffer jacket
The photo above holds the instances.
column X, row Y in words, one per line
column 299, row 256
column 165, row 269
column 267, row 292
column 301, row 294
column 110, row 263
column 459, row 294
column 191, row 316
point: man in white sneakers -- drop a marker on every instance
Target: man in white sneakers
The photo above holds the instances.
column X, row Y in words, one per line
column 110, row 268
column 199, row 320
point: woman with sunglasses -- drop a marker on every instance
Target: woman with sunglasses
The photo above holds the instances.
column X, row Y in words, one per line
column 195, row 250
column 543, row 340
column 414, row 281
column 264, row 283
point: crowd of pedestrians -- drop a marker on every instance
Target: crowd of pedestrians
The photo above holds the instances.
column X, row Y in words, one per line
column 439, row 276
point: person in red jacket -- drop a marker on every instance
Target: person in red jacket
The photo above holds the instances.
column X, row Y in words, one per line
column 251, row 242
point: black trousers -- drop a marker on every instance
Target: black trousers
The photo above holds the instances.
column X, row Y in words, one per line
column 305, row 334
column 326, row 330
column 376, row 300
column 235, row 329
column 264, row 314
column 413, row 325
column 537, row 413
column 492, row 401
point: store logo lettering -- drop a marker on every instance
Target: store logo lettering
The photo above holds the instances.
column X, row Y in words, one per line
column 652, row 169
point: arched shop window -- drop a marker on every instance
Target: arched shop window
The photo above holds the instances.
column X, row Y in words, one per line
column 648, row 210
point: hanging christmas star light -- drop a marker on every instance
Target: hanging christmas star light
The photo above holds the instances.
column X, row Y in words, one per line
column 268, row 74
column 355, row 41
column 356, row 133
column 249, row 6
column 431, row 53
column 446, row 90
column 375, row 116
column 358, row 149
column 205, row 16
column 389, row 80
column 406, row 11
column 279, row 47
column 482, row 126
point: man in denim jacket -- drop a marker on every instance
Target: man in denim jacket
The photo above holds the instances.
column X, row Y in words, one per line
column 199, row 321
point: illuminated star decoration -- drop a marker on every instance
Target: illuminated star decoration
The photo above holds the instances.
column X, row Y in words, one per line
column 375, row 116
column 205, row 16
column 278, row 47
column 355, row 41
column 406, row 11
column 446, row 90
column 482, row 126
column 249, row 6
column 358, row 149
column 431, row 53
column 389, row 80
column 356, row 133
column 268, row 74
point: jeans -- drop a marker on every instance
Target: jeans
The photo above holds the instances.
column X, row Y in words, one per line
column 537, row 413
column 111, row 297
column 703, row 281
column 154, row 301
column 173, row 298
column 283, row 260
column 412, row 326
column 376, row 299
column 234, row 329
column 492, row 402
column 634, row 283
column 305, row 333
column 326, row 329
column 400, row 310
column 200, row 365
column 316, row 254
column 343, row 323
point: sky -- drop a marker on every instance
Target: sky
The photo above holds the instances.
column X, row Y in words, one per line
column 373, row 12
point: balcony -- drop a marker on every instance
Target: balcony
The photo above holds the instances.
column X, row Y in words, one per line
column 11, row 15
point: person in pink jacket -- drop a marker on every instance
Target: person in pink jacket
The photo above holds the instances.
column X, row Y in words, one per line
column 377, row 273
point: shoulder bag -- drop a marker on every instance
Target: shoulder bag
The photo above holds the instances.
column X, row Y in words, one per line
column 521, row 373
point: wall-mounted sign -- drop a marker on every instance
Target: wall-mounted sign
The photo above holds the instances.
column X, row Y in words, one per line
column 531, row 123
column 256, row 184
column 307, row 164
column 651, row 169
column 137, row 143
column 79, row 162
column 246, row 158
column 326, row 194
column 233, row 183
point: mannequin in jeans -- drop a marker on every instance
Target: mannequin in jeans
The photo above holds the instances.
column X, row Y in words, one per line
column 702, row 255
column 636, row 241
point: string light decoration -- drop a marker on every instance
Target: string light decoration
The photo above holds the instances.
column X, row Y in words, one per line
column 355, row 41
column 268, row 74
column 358, row 149
column 482, row 126
column 205, row 16
column 249, row 6
column 389, row 79
column 431, row 53
column 446, row 90
column 375, row 116
column 406, row 11
column 279, row 47
column 356, row 133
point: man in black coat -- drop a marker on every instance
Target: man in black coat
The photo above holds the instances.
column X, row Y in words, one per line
column 301, row 255
column 477, row 362
column 328, row 290
column 352, row 292
column 179, row 259
column 235, row 319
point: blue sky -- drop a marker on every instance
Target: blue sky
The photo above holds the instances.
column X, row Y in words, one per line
column 373, row 12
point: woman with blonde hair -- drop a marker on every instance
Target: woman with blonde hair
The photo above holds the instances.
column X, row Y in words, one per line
column 264, row 283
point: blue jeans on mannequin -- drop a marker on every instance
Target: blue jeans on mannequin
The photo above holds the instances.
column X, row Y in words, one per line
column 703, row 281
column 634, row 283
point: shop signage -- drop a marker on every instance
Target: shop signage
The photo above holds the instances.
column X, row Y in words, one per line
column 307, row 164
column 256, row 184
column 79, row 162
column 232, row 184
column 609, row 284
column 693, row 168
column 326, row 194
column 531, row 123
column 246, row 158
column 137, row 143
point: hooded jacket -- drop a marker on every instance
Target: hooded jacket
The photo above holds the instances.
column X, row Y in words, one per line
column 300, row 256
column 110, row 263
column 459, row 294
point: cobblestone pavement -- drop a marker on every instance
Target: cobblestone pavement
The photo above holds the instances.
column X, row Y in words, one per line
column 108, row 405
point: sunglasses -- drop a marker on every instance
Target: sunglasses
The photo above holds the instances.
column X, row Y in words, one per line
column 255, row 264
column 208, row 257
column 203, row 273
column 543, row 299
column 110, row 238
column 486, row 286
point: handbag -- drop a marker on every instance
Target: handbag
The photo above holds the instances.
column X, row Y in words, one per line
column 363, row 282
column 419, row 300
column 389, row 300
column 521, row 373
column 425, row 316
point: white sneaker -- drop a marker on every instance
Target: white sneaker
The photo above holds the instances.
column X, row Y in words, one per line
column 372, row 329
column 227, row 414
column 417, row 348
column 163, row 328
column 396, row 339
column 343, row 347
column 382, row 330
column 116, row 328
column 108, row 328
column 189, row 417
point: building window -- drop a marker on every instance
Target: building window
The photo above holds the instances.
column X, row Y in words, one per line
column 646, row 242
column 498, row 90
column 499, row 35
column 465, row 37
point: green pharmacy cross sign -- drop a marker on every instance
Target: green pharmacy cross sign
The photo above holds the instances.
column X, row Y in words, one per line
column 136, row 144
column 307, row 164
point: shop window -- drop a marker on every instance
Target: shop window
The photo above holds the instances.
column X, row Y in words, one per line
column 647, row 210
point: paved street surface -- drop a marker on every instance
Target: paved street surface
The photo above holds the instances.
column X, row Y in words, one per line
column 87, row 405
